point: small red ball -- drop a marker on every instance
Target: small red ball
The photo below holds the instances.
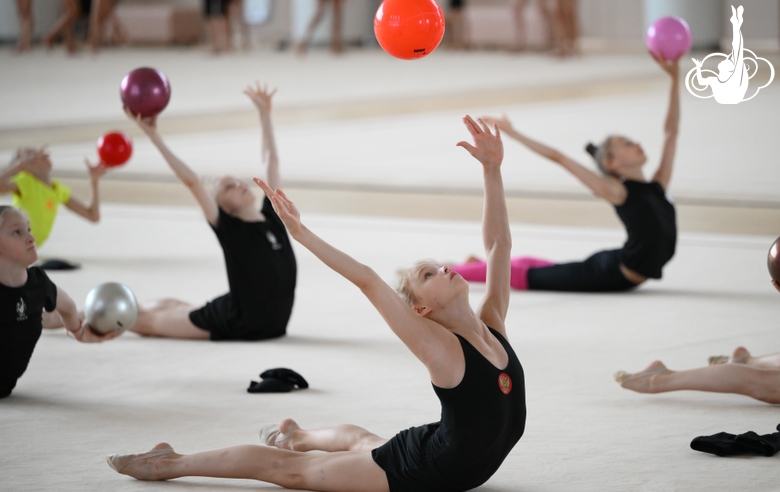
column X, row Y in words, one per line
column 114, row 148
column 409, row 29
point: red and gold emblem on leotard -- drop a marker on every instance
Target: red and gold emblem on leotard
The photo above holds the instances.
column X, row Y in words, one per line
column 505, row 383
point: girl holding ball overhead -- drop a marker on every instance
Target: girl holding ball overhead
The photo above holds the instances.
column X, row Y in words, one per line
column 643, row 206
column 475, row 373
column 259, row 259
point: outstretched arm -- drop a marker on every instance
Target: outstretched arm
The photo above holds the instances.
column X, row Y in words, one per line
column 426, row 339
column 261, row 97
column 604, row 187
column 489, row 151
column 186, row 175
column 92, row 211
column 671, row 127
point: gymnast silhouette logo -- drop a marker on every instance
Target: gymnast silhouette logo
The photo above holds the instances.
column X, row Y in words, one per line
column 505, row 383
column 21, row 310
column 272, row 239
column 730, row 84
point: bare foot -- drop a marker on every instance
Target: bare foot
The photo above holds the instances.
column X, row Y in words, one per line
column 642, row 382
column 472, row 259
column 144, row 466
column 739, row 356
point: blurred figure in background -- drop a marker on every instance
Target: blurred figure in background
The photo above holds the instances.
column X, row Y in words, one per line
column 24, row 9
column 101, row 13
column 563, row 14
column 335, row 38
column 71, row 11
column 456, row 25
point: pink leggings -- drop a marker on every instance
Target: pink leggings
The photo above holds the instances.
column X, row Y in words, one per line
column 476, row 271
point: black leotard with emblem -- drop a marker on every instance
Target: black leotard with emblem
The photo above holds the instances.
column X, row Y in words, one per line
column 481, row 420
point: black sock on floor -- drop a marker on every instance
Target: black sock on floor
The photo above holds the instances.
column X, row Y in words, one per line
column 721, row 444
column 766, row 445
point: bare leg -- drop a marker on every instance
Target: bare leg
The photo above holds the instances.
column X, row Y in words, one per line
column 335, row 39
column 64, row 25
column 342, row 472
column 102, row 10
column 331, row 439
column 24, row 8
column 520, row 33
column 569, row 26
column 303, row 45
column 761, row 384
column 456, row 25
column 236, row 14
column 168, row 318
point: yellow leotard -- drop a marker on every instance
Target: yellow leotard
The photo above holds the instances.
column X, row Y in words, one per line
column 40, row 201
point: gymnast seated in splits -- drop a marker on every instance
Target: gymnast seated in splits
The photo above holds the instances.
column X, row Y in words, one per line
column 259, row 259
column 643, row 206
column 475, row 374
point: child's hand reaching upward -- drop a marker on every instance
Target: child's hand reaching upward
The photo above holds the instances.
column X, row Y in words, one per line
column 260, row 96
column 488, row 148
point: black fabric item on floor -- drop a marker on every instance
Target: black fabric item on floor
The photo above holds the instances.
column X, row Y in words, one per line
column 725, row 444
column 270, row 385
column 278, row 380
column 767, row 445
column 721, row 444
column 286, row 375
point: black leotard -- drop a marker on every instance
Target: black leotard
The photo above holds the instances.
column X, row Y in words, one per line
column 649, row 217
column 261, row 272
column 481, row 420
column 21, row 324
column 650, row 221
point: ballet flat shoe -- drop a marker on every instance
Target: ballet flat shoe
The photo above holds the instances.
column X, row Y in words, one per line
column 270, row 434
column 119, row 461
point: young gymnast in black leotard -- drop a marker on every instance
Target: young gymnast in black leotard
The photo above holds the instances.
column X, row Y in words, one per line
column 644, row 208
column 259, row 259
column 474, row 371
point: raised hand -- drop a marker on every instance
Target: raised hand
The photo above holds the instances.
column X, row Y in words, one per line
column 260, row 96
column 96, row 171
column 488, row 148
column 283, row 206
column 672, row 67
column 503, row 123
column 148, row 124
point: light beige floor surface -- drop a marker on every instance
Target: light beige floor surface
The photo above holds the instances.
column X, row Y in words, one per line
column 78, row 403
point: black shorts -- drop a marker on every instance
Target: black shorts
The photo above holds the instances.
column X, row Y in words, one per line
column 408, row 464
column 599, row 273
column 220, row 320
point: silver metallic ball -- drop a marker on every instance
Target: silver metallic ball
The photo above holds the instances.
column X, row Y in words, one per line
column 110, row 307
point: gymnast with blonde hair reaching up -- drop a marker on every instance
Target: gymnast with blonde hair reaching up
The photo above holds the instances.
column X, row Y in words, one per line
column 475, row 374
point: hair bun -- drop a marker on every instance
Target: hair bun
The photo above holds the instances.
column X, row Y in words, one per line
column 591, row 149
